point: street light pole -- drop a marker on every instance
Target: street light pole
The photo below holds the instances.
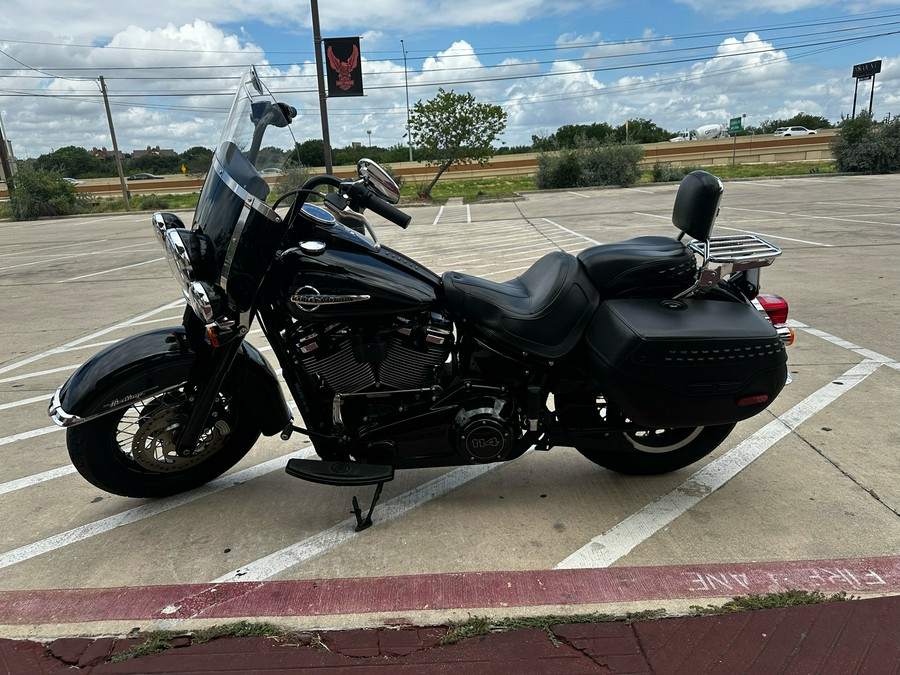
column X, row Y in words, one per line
column 406, row 80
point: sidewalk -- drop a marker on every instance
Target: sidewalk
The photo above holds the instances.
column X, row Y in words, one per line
column 857, row 636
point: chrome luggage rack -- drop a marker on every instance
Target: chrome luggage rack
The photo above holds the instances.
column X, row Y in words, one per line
column 729, row 254
column 741, row 251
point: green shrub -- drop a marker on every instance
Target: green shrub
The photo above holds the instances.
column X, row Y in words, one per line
column 558, row 170
column 40, row 193
column 665, row 173
column 151, row 202
column 611, row 164
column 865, row 146
column 590, row 165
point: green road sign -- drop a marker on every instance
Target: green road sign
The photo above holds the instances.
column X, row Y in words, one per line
column 735, row 125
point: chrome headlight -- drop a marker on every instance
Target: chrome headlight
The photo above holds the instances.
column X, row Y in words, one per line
column 192, row 261
column 190, row 254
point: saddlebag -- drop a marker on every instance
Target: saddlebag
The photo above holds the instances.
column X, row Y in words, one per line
column 693, row 362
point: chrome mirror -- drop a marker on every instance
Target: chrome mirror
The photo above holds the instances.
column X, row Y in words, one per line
column 378, row 180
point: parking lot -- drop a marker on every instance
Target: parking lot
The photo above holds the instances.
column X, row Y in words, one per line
column 812, row 478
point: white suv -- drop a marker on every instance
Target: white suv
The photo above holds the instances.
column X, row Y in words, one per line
column 794, row 131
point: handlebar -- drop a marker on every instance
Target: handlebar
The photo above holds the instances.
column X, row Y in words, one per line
column 381, row 207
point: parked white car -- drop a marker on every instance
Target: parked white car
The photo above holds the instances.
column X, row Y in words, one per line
column 794, row 131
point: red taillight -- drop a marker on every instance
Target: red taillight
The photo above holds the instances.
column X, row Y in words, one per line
column 775, row 306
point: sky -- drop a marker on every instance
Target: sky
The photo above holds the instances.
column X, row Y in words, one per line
column 171, row 67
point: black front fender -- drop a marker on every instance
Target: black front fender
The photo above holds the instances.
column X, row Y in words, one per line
column 157, row 360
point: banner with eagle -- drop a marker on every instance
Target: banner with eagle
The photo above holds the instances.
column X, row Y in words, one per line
column 343, row 66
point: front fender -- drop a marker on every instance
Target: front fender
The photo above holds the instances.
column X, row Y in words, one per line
column 154, row 361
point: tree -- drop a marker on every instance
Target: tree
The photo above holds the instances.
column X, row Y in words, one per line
column 69, row 161
column 642, row 131
column 197, row 159
column 310, row 152
column 453, row 129
column 798, row 120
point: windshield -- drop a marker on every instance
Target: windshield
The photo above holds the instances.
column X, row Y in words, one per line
column 232, row 205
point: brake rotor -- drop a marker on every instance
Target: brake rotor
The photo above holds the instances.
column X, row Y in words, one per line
column 154, row 448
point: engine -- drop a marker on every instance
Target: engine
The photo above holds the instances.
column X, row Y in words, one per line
column 485, row 429
column 407, row 354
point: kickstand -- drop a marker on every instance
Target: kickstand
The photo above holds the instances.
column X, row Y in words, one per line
column 361, row 523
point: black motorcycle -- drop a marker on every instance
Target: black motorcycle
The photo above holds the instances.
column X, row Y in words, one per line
column 642, row 354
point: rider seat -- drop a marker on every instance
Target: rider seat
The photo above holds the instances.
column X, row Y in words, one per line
column 640, row 267
column 543, row 312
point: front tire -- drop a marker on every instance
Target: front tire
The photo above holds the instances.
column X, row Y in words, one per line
column 131, row 452
column 645, row 452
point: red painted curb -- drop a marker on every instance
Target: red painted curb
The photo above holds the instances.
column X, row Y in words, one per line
column 473, row 590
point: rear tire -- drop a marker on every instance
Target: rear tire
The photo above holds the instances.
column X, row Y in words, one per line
column 131, row 452
column 640, row 453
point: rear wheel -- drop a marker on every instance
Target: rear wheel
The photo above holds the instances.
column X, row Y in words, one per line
column 132, row 452
column 641, row 452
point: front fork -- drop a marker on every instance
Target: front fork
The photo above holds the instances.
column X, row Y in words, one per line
column 208, row 372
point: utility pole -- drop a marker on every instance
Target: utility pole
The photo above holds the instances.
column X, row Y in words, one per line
column 406, row 80
column 112, row 132
column 4, row 161
column 320, row 75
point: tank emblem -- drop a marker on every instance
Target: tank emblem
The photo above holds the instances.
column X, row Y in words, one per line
column 309, row 299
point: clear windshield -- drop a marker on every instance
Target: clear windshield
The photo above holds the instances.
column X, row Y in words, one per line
column 255, row 116
column 232, row 210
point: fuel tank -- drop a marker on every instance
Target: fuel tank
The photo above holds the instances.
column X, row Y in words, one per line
column 338, row 284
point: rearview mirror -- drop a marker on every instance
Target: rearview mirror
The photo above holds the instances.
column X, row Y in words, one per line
column 378, row 180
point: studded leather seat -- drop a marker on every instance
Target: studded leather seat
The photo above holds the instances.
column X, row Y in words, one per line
column 544, row 311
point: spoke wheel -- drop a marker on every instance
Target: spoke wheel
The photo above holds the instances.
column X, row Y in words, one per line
column 132, row 452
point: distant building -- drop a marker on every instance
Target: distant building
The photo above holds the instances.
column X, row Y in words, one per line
column 103, row 153
column 156, row 152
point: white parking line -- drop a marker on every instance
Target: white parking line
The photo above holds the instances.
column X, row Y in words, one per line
column 15, row 438
column 115, row 269
column 572, row 232
column 88, row 338
column 139, row 513
column 605, row 549
column 28, row 481
column 320, row 543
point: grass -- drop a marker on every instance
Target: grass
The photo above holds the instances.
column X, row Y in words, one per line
column 780, row 600
column 479, row 625
column 159, row 641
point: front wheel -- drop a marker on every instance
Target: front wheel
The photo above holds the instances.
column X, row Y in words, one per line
column 132, row 452
column 643, row 452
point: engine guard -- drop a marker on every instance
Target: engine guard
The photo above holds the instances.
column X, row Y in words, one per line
column 154, row 361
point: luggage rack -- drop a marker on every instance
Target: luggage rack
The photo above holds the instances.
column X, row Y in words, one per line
column 736, row 252
column 726, row 255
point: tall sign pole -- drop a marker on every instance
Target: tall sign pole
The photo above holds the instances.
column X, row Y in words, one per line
column 865, row 71
column 112, row 132
column 320, row 75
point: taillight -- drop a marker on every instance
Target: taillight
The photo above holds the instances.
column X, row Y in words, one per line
column 775, row 307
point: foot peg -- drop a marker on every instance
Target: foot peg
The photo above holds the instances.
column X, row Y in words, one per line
column 344, row 474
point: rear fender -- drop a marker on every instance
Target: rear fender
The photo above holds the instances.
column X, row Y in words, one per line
column 157, row 360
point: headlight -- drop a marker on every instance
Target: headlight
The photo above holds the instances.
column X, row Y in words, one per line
column 205, row 300
column 191, row 259
column 190, row 255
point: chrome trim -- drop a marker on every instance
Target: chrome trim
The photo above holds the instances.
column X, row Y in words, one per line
column 254, row 202
column 233, row 244
column 59, row 416
column 312, row 299
column 63, row 419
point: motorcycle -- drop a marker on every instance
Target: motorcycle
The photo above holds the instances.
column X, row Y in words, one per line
column 642, row 354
